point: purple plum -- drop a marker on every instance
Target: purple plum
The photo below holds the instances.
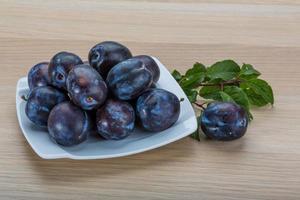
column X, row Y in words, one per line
column 151, row 65
column 38, row 75
column 129, row 79
column 157, row 109
column 59, row 67
column 115, row 119
column 86, row 87
column 224, row 121
column 68, row 125
column 105, row 55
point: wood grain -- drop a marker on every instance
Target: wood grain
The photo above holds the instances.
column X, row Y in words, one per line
column 262, row 165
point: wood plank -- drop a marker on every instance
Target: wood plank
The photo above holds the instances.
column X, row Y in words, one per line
column 262, row 165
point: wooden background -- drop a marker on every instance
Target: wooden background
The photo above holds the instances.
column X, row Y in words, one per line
column 265, row 164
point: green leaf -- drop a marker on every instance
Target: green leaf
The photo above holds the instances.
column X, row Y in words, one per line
column 195, row 135
column 197, row 68
column 226, row 97
column 192, row 80
column 259, row 92
column 176, row 74
column 238, row 95
column 193, row 76
column 191, row 94
column 248, row 72
column 250, row 116
column 254, row 98
column 210, row 92
column 225, row 70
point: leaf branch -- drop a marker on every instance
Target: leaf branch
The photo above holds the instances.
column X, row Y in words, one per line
column 234, row 82
column 225, row 81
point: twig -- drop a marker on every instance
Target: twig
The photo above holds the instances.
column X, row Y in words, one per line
column 222, row 84
column 200, row 105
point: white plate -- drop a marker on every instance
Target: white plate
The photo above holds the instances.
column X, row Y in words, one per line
column 95, row 148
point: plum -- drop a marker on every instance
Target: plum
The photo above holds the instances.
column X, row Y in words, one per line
column 115, row 119
column 151, row 65
column 157, row 109
column 38, row 75
column 105, row 55
column 59, row 67
column 224, row 121
column 86, row 87
column 129, row 79
column 40, row 102
column 68, row 125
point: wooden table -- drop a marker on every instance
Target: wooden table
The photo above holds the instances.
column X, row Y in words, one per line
column 265, row 164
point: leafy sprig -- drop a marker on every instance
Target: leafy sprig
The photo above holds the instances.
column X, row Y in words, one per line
column 225, row 81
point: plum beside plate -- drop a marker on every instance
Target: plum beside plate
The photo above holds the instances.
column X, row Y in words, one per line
column 95, row 148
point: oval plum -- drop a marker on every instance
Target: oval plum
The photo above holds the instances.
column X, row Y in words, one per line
column 224, row 121
column 151, row 65
column 157, row 109
column 38, row 75
column 105, row 55
column 115, row 119
column 68, row 125
column 129, row 79
column 86, row 87
column 59, row 67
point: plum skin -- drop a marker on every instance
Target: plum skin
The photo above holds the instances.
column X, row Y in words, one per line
column 129, row 79
column 38, row 75
column 151, row 65
column 68, row 125
column 59, row 67
column 157, row 109
column 86, row 87
column 40, row 102
column 106, row 55
column 115, row 119
column 224, row 121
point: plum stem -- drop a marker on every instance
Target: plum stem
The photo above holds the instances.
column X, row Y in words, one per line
column 200, row 105
column 235, row 82
column 222, row 86
column 24, row 97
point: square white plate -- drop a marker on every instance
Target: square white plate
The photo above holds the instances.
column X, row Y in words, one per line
column 95, row 148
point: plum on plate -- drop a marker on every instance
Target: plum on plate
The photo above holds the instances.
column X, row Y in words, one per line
column 38, row 75
column 129, row 79
column 59, row 67
column 68, row 125
column 86, row 87
column 115, row 119
column 157, row 109
column 224, row 121
column 40, row 102
column 105, row 55
column 151, row 65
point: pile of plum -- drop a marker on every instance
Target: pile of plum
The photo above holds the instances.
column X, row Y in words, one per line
column 110, row 93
